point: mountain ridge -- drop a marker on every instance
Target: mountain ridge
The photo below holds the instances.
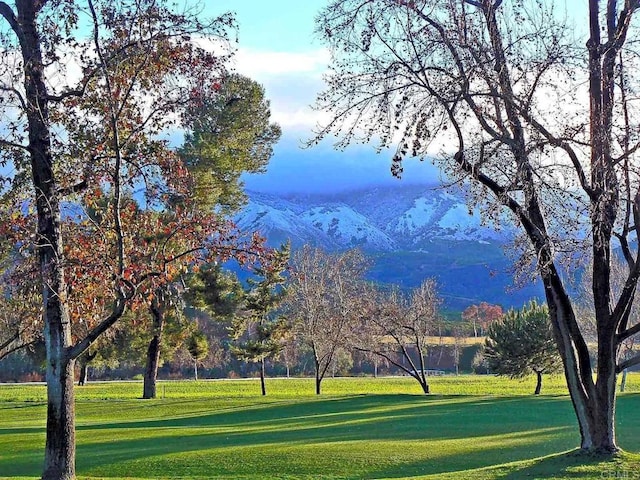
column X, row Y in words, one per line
column 410, row 232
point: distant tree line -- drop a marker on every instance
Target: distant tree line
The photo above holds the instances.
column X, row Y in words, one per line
column 310, row 315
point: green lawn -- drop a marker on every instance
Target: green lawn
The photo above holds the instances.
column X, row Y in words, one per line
column 473, row 427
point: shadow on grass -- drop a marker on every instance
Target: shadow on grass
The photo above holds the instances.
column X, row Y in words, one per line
column 578, row 465
column 413, row 415
column 372, row 436
column 367, row 436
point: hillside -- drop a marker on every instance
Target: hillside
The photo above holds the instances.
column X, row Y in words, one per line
column 410, row 232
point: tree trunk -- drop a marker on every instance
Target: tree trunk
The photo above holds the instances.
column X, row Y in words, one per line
column 318, row 377
column 594, row 403
column 60, row 445
column 153, row 352
column 84, row 374
column 59, row 460
column 195, row 370
column 425, row 386
column 623, row 382
column 262, row 384
column 85, row 359
column 538, row 383
column 151, row 368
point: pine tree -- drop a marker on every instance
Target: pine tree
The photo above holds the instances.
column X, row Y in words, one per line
column 522, row 343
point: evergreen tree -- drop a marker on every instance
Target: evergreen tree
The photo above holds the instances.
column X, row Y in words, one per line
column 229, row 134
column 522, row 343
column 259, row 333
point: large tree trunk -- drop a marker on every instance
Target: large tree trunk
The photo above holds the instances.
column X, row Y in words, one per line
column 60, row 437
column 151, row 368
column 593, row 402
column 60, row 446
column 153, row 352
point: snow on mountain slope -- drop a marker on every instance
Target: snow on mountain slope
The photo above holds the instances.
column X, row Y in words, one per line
column 280, row 224
column 348, row 228
column 380, row 219
column 409, row 232
column 417, row 217
column 460, row 225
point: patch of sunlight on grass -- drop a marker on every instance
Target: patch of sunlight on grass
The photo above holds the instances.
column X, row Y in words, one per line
column 360, row 428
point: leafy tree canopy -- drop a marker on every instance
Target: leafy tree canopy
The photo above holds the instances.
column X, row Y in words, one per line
column 229, row 133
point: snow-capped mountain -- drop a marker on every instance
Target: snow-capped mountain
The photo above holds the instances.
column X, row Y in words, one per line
column 380, row 219
column 410, row 232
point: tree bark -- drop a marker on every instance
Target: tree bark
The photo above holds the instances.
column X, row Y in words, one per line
column 594, row 403
column 153, row 353
column 151, row 368
column 60, row 445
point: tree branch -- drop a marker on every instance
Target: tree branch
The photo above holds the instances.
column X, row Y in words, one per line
column 628, row 363
column 10, row 17
column 119, row 308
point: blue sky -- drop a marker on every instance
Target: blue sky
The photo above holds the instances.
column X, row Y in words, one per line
column 277, row 48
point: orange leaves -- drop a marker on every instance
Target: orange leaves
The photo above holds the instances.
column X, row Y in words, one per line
column 482, row 315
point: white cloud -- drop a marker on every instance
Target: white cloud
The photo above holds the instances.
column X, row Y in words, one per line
column 291, row 80
column 261, row 64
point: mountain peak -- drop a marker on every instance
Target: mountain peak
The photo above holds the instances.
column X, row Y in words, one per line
column 410, row 231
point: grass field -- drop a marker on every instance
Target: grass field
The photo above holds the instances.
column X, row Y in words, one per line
column 473, row 427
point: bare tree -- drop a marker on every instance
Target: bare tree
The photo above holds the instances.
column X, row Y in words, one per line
column 323, row 302
column 459, row 332
column 539, row 124
column 19, row 323
column 398, row 328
